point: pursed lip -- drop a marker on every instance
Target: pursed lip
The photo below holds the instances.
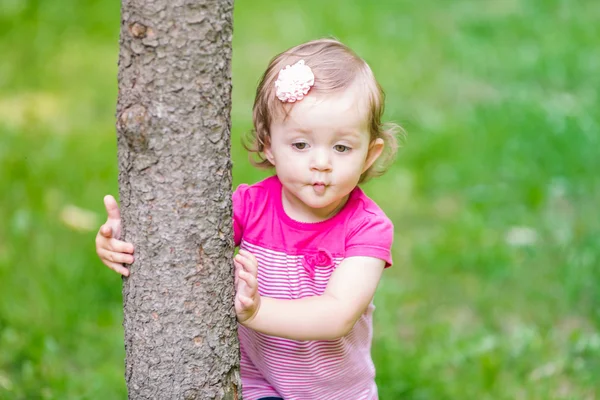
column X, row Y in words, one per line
column 319, row 183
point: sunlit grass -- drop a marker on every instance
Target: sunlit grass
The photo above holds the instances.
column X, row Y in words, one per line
column 495, row 290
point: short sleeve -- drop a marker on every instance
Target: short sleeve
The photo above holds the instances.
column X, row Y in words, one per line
column 239, row 212
column 371, row 237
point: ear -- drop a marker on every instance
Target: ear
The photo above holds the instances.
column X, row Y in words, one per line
column 375, row 149
column 269, row 154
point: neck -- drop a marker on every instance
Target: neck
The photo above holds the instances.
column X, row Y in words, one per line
column 298, row 211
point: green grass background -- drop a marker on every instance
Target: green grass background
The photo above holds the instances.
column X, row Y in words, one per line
column 495, row 292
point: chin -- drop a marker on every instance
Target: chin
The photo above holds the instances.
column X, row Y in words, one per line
column 310, row 201
column 320, row 203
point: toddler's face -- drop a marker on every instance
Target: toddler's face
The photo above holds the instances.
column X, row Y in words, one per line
column 320, row 151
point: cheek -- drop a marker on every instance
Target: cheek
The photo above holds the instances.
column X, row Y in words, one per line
column 357, row 161
column 288, row 166
column 351, row 168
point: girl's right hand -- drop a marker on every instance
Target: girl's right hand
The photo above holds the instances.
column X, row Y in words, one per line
column 112, row 251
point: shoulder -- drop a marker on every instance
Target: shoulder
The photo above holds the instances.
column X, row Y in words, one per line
column 364, row 210
column 255, row 196
column 369, row 231
column 256, row 191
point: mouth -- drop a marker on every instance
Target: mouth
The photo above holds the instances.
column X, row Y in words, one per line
column 319, row 187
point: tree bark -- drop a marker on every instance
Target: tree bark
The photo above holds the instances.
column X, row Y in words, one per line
column 173, row 123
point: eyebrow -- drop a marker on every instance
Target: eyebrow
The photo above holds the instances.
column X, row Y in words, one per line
column 303, row 131
column 352, row 133
column 339, row 132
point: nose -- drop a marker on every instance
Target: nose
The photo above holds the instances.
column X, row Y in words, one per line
column 320, row 160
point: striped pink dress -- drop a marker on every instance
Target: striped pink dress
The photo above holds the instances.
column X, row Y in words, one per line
column 295, row 260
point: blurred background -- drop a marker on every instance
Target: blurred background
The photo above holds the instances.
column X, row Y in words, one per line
column 495, row 291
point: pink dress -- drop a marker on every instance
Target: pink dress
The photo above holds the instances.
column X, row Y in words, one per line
column 295, row 260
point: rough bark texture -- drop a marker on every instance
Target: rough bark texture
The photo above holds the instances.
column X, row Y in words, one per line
column 175, row 190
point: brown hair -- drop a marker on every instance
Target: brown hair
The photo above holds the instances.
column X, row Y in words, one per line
column 335, row 67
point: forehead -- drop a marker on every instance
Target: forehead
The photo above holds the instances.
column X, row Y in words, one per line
column 342, row 110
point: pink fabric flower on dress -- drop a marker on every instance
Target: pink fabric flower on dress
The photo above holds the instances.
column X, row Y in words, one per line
column 312, row 261
column 294, row 82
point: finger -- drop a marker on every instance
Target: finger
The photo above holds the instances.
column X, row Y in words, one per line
column 118, row 268
column 251, row 256
column 241, row 285
column 106, row 231
column 112, row 256
column 120, row 246
column 102, row 243
column 112, row 208
column 247, row 254
column 247, row 302
column 240, row 263
column 239, row 260
column 245, row 261
column 237, row 281
column 238, row 305
column 250, row 266
column 237, row 268
column 249, row 279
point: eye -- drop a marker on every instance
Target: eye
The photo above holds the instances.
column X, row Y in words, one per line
column 340, row 148
column 300, row 146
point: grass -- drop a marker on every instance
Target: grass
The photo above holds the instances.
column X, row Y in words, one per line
column 495, row 292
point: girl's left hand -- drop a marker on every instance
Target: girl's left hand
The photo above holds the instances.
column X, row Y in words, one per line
column 247, row 299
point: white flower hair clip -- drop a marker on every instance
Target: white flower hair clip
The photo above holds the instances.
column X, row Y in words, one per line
column 294, row 82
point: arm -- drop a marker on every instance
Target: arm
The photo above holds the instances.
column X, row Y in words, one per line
column 329, row 316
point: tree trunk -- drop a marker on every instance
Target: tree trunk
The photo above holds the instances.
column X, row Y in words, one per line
column 173, row 128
